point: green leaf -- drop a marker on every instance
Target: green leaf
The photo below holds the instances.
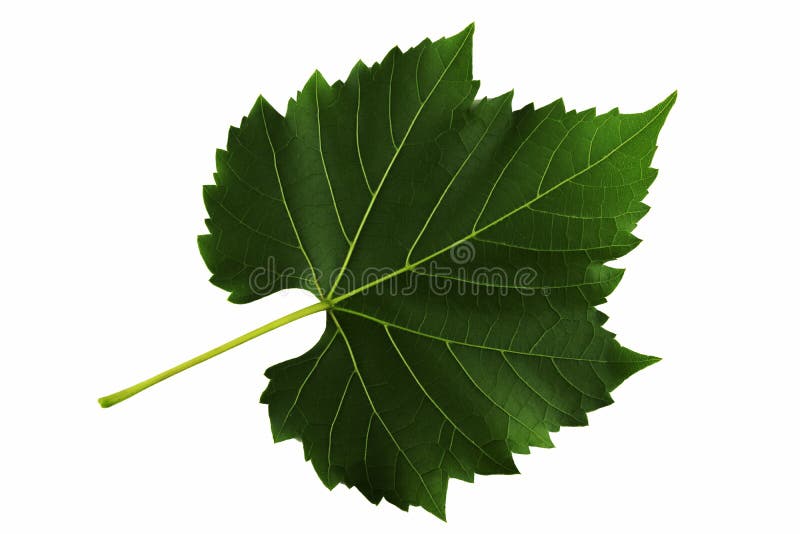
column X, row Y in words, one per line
column 410, row 209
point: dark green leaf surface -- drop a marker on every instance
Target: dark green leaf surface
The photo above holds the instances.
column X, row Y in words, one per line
column 379, row 183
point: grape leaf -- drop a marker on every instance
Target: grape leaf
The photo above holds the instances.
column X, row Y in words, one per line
column 411, row 209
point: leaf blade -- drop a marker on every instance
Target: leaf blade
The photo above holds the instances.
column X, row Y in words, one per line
column 394, row 169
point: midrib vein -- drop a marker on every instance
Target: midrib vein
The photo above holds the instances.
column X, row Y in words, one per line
column 391, row 164
column 464, row 343
column 378, row 415
column 498, row 220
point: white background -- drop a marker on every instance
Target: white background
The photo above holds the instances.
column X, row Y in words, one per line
column 110, row 118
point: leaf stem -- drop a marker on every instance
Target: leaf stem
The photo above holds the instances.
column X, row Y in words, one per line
column 126, row 393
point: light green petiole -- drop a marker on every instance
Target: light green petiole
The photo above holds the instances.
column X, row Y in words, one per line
column 121, row 395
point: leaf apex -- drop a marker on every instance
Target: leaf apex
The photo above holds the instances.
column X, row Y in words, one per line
column 650, row 360
column 465, row 34
column 668, row 102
